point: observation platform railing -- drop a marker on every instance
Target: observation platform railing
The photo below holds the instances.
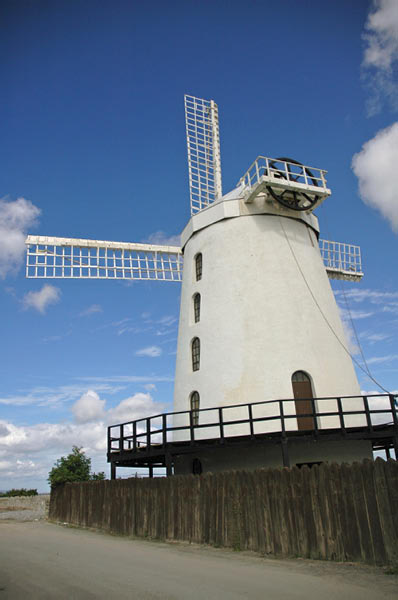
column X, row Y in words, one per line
column 283, row 173
column 371, row 413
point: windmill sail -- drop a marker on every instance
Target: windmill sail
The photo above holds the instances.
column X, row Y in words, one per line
column 203, row 142
column 68, row 258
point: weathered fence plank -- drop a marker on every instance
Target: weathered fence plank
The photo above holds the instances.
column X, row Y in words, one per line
column 335, row 512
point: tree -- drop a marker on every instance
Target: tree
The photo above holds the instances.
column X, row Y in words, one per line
column 75, row 467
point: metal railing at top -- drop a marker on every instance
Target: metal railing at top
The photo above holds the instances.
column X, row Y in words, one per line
column 277, row 169
column 222, row 422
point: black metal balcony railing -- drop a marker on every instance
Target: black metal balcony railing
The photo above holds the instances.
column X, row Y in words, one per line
column 158, row 431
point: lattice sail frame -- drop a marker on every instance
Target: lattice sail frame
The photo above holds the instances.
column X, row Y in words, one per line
column 342, row 261
column 68, row 258
column 203, row 145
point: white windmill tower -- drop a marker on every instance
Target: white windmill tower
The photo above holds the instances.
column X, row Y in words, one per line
column 258, row 318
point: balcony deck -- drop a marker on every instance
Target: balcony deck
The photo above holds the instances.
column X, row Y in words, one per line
column 154, row 441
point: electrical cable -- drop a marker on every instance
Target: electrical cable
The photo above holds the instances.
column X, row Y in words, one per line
column 324, row 316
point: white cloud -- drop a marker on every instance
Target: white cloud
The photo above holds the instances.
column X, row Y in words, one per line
column 355, row 314
column 49, row 294
column 3, row 430
column 150, row 387
column 382, row 359
column 91, row 310
column 135, row 407
column 89, row 407
column 53, row 396
column 374, row 296
column 151, row 351
column 381, row 54
column 160, row 238
column 349, row 333
column 29, row 452
column 392, row 308
column 15, row 219
column 376, row 168
column 373, row 338
column 167, row 320
column 45, row 436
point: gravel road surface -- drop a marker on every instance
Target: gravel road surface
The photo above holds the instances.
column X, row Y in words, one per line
column 41, row 560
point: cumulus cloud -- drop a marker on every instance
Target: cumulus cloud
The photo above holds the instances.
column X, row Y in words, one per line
column 376, row 168
column 160, row 238
column 15, row 219
column 49, row 294
column 60, row 437
column 3, row 430
column 381, row 54
column 46, row 436
column 29, row 451
column 89, row 407
column 135, row 407
column 151, row 351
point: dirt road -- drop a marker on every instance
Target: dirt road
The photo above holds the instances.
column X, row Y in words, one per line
column 40, row 560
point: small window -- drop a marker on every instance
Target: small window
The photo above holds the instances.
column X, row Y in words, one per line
column 300, row 376
column 196, row 307
column 195, row 354
column 198, row 266
column 195, row 401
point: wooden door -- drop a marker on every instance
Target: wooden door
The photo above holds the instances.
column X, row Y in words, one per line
column 302, row 393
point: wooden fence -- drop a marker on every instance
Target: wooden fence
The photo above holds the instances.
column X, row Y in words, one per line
column 334, row 512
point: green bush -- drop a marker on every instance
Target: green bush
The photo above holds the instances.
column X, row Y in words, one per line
column 74, row 467
column 22, row 492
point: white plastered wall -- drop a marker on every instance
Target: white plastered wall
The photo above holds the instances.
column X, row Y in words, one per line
column 263, row 317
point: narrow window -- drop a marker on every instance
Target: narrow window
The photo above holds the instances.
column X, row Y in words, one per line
column 196, row 307
column 195, row 354
column 195, row 401
column 198, row 266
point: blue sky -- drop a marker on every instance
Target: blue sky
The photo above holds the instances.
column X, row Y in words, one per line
column 93, row 146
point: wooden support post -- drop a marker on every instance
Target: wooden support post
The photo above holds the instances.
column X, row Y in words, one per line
column 367, row 412
column 191, row 427
column 341, row 417
column 169, row 465
column 113, row 470
column 164, row 429
column 250, row 408
column 150, row 471
column 221, row 425
column 285, row 453
column 393, row 400
column 395, row 444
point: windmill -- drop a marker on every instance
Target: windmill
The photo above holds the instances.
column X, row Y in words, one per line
column 258, row 318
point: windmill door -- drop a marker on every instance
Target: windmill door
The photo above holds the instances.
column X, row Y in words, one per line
column 302, row 393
